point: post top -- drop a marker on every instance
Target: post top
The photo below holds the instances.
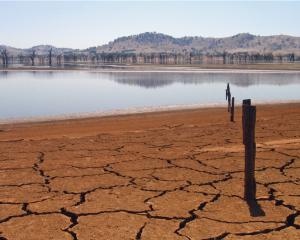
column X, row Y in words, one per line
column 247, row 102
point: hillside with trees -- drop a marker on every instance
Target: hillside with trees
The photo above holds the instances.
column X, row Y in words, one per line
column 158, row 48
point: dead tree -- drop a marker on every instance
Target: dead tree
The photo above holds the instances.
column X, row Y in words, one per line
column 32, row 57
column 59, row 59
column 21, row 58
column 4, row 57
column 50, row 57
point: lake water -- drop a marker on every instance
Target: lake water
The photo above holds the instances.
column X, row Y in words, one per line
column 26, row 94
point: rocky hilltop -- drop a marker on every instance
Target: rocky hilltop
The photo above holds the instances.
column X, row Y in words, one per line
column 243, row 42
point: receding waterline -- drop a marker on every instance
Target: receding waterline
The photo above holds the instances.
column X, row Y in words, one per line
column 42, row 94
column 129, row 111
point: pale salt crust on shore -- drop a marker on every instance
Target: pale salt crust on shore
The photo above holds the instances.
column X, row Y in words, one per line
column 129, row 111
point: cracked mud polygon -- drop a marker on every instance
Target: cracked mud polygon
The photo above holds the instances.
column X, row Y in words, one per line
column 176, row 175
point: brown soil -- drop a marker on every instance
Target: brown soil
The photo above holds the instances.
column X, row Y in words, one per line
column 169, row 175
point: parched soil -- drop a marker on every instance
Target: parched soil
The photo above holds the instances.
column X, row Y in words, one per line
column 170, row 175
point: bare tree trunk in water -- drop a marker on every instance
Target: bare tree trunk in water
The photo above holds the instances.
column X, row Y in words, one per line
column 32, row 57
column 4, row 57
column 50, row 57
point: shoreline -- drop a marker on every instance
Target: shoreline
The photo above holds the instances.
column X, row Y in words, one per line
column 264, row 67
column 221, row 70
column 132, row 112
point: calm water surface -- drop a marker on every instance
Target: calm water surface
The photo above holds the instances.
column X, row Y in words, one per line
column 34, row 94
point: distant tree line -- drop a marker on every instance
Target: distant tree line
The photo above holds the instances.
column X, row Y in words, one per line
column 92, row 57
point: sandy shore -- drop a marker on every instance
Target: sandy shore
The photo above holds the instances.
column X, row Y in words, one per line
column 164, row 175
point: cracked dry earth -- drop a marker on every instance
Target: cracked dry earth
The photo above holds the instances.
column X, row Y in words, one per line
column 176, row 175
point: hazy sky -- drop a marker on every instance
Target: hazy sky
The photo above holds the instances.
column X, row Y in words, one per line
column 84, row 24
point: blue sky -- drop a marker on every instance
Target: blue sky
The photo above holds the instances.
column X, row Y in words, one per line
column 83, row 24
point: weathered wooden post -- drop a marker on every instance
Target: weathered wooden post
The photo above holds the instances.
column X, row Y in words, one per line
column 232, row 110
column 227, row 90
column 246, row 102
column 249, row 119
column 229, row 101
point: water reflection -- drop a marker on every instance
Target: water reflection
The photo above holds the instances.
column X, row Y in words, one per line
column 155, row 80
column 159, row 79
column 28, row 74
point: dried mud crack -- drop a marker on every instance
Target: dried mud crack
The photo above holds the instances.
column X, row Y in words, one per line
column 73, row 219
column 176, row 175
